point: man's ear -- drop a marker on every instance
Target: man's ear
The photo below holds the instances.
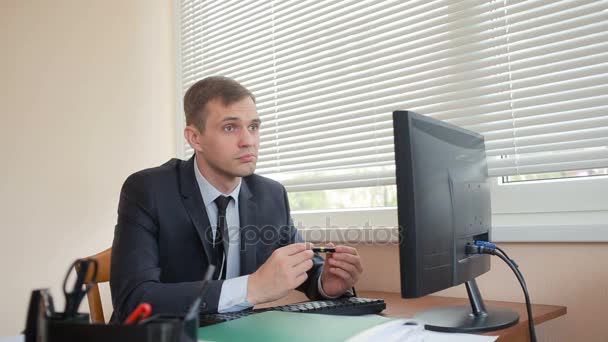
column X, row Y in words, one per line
column 192, row 136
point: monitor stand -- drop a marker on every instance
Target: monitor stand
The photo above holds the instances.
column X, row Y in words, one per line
column 465, row 319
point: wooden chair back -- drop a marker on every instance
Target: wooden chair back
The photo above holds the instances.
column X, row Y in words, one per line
column 103, row 276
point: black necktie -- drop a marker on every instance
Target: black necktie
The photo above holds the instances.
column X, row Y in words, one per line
column 218, row 241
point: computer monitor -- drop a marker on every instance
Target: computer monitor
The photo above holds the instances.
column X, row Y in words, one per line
column 443, row 203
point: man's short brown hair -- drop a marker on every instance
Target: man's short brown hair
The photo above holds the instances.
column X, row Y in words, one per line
column 208, row 89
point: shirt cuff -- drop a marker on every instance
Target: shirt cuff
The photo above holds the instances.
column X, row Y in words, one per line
column 323, row 294
column 233, row 296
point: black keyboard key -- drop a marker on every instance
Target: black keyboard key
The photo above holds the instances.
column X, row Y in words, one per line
column 341, row 306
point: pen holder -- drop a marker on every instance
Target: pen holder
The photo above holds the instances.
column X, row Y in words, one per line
column 160, row 328
column 166, row 329
column 44, row 325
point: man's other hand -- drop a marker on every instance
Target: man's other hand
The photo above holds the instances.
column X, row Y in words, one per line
column 285, row 270
column 341, row 271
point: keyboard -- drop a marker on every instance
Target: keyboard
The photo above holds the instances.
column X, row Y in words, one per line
column 342, row 306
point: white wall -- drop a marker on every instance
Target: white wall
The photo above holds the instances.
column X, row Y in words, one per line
column 86, row 98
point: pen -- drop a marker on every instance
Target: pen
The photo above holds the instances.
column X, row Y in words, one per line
column 142, row 311
column 324, row 249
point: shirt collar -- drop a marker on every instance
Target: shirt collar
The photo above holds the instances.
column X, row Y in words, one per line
column 208, row 191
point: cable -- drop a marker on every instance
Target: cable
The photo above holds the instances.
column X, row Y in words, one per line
column 484, row 247
column 493, row 246
column 524, row 287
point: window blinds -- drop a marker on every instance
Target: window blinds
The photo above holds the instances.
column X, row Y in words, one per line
column 531, row 76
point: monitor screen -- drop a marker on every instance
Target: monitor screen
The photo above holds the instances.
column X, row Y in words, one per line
column 443, row 201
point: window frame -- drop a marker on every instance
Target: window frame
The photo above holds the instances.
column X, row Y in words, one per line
column 534, row 211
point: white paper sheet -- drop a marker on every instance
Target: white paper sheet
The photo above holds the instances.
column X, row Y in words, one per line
column 413, row 331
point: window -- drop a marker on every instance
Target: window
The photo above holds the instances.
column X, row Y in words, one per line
column 529, row 75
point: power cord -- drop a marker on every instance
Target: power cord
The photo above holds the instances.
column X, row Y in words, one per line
column 493, row 246
column 484, row 247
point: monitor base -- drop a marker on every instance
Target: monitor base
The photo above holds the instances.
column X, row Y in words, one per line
column 460, row 319
column 468, row 319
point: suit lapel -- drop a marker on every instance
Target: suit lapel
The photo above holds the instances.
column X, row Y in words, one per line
column 193, row 202
column 249, row 231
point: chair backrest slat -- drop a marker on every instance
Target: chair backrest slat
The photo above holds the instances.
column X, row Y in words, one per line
column 103, row 276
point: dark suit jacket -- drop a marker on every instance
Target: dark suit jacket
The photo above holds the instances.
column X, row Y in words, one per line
column 162, row 241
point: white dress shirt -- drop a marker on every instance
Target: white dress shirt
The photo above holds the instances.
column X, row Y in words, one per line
column 233, row 296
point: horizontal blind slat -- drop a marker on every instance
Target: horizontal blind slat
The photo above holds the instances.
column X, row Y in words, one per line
column 529, row 76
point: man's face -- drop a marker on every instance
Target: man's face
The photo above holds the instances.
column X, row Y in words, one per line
column 230, row 140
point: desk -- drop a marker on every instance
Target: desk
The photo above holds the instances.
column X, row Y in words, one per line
column 406, row 308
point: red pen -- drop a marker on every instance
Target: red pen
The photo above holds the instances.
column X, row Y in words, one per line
column 142, row 311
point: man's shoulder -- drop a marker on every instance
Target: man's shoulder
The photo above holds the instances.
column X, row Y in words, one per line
column 257, row 183
column 168, row 169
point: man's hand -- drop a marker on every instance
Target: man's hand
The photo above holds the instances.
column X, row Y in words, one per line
column 341, row 271
column 285, row 270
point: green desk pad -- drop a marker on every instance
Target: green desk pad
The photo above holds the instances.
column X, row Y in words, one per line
column 289, row 326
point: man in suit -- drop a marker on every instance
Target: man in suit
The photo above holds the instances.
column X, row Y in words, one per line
column 176, row 219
